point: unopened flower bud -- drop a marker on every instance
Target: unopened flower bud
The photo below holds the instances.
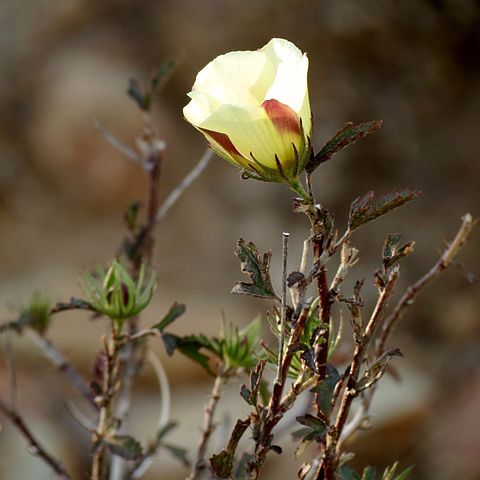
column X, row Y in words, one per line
column 253, row 108
column 116, row 294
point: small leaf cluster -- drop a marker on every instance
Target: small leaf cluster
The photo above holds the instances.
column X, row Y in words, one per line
column 304, row 352
column 177, row 452
column 390, row 473
column 349, row 134
column 238, row 346
column 114, row 293
column 234, row 348
column 36, row 314
column 314, row 428
column 364, row 209
column 143, row 97
column 257, row 267
column 393, row 251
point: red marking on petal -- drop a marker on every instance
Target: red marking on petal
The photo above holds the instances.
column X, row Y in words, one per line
column 282, row 116
column 223, row 140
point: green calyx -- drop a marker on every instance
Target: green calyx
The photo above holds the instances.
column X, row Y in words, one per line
column 114, row 293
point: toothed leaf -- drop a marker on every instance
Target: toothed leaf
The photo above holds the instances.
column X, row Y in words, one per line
column 349, row 134
column 257, row 267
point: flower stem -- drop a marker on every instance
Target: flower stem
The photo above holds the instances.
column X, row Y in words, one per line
column 298, row 188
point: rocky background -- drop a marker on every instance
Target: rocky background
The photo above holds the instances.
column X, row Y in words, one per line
column 65, row 65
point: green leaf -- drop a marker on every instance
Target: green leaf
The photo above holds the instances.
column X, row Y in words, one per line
column 405, row 474
column 240, row 472
column 346, row 472
column 136, row 93
column 334, row 338
column 163, row 73
column 176, row 310
column 250, row 395
column 170, row 342
column 369, row 474
column 312, row 422
column 325, row 388
column 363, row 209
column 389, row 473
column 131, row 215
column 124, row 446
column 239, row 346
column 246, row 394
column 36, row 315
column 222, row 463
column 349, row 134
column 190, row 346
column 164, row 431
column 257, row 268
column 377, row 369
column 179, row 453
column 314, row 431
column 252, row 331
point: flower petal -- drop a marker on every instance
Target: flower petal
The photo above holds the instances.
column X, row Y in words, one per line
column 282, row 116
column 279, row 50
column 223, row 146
column 238, row 78
column 199, row 107
column 252, row 132
column 290, row 85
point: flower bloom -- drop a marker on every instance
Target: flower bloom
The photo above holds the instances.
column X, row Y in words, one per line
column 254, row 110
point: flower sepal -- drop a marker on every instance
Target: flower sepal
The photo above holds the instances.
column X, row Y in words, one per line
column 114, row 293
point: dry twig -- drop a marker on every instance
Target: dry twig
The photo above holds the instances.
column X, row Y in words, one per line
column 34, row 445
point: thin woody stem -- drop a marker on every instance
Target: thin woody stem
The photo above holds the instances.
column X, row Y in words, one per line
column 152, row 149
column 446, row 259
column 35, row 445
column 208, row 426
column 360, row 350
column 183, row 185
column 144, row 462
column 277, row 405
column 110, row 379
column 326, row 468
column 64, row 366
column 283, row 314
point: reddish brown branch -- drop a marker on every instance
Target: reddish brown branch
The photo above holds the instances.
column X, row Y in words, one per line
column 278, row 406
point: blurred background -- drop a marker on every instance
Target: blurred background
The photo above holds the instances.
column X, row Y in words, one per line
column 66, row 65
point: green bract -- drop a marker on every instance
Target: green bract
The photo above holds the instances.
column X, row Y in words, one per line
column 238, row 346
column 115, row 294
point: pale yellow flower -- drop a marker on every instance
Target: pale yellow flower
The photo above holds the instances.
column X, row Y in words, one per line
column 253, row 108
